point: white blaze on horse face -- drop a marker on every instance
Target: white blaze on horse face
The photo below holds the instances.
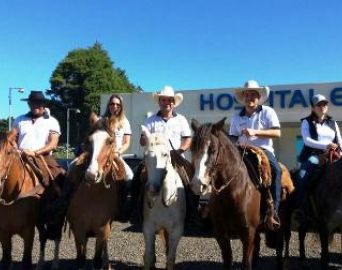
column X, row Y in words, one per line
column 201, row 177
column 98, row 139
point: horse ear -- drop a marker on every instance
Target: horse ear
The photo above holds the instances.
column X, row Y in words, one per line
column 218, row 125
column 195, row 124
column 145, row 131
column 93, row 118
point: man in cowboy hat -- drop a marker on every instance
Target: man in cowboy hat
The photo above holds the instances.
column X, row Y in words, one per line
column 37, row 134
column 166, row 120
column 178, row 133
column 257, row 124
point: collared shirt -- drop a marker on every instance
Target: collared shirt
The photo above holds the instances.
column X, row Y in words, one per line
column 263, row 118
column 175, row 128
column 34, row 135
column 120, row 132
column 326, row 135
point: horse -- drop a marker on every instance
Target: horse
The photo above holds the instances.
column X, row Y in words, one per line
column 19, row 203
column 325, row 201
column 235, row 201
column 164, row 200
column 94, row 204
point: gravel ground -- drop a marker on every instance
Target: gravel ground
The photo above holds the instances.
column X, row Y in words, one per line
column 126, row 247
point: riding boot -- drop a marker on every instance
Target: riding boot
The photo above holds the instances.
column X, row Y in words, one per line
column 272, row 220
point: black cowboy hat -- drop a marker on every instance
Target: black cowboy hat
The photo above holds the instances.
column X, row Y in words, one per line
column 37, row 96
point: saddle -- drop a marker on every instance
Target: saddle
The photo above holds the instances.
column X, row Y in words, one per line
column 258, row 165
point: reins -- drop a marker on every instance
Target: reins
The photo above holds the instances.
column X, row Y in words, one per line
column 19, row 196
column 225, row 185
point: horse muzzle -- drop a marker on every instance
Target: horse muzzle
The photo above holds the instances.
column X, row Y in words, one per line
column 93, row 177
column 199, row 188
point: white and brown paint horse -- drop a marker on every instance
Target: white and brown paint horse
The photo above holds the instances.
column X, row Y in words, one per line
column 164, row 200
column 95, row 203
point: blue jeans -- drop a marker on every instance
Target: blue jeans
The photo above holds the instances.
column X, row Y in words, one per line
column 276, row 179
column 304, row 177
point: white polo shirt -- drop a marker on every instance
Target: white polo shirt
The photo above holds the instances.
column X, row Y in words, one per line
column 35, row 135
column 120, row 132
column 263, row 118
column 175, row 128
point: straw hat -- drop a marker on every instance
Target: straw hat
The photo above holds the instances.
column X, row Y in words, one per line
column 168, row 91
column 263, row 91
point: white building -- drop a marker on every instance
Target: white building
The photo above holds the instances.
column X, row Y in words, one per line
column 291, row 102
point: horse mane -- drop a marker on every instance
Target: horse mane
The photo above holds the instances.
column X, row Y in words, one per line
column 107, row 124
column 203, row 134
column 3, row 139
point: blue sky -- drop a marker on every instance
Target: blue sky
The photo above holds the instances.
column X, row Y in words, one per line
column 189, row 44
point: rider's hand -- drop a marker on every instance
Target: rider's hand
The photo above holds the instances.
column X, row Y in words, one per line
column 249, row 132
column 332, row 146
column 29, row 153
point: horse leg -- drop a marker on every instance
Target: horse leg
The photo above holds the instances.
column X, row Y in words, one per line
column 302, row 234
column 248, row 249
column 5, row 240
column 173, row 241
column 256, row 249
column 280, row 247
column 149, row 254
column 28, row 236
column 226, row 251
column 324, row 237
column 55, row 262
column 100, row 248
column 42, row 244
column 81, row 247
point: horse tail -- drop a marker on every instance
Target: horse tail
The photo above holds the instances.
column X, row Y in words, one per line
column 164, row 236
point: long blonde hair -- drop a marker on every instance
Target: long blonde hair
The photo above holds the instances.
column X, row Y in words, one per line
column 115, row 121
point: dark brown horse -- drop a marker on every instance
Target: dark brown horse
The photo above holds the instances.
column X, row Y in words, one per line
column 19, row 205
column 235, row 201
column 325, row 204
column 95, row 201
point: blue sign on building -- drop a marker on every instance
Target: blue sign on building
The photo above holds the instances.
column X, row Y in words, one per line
column 278, row 98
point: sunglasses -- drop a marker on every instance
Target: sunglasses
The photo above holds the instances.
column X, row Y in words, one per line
column 115, row 104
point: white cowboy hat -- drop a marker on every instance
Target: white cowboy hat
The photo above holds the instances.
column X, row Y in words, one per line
column 168, row 91
column 263, row 91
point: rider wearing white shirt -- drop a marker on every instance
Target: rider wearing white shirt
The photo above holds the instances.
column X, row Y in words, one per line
column 37, row 134
column 257, row 124
column 320, row 134
column 167, row 121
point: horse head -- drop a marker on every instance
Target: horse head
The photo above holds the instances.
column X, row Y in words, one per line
column 161, row 176
column 6, row 149
column 205, row 148
column 100, row 144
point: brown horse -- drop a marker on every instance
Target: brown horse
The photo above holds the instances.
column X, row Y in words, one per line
column 95, row 201
column 19, row 205
column 235, row 201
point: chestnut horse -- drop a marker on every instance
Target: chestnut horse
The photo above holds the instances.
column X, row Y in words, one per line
column 19, row 205
column 235, row 201
column 95, row 201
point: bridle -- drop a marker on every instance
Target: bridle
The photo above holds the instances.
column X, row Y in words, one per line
column 217, row 165
column 3, row 179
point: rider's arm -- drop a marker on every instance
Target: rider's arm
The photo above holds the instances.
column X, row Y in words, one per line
column 308, row 141
column 185, row 145
column 51, row 145
column 125, row 144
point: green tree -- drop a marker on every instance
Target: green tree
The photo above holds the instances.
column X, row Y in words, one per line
column 4, row 125
column 79, row 80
